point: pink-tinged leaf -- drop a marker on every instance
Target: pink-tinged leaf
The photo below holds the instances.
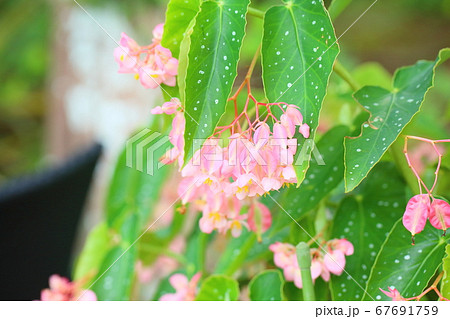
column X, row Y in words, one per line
column 439, row 214
column 416, row 213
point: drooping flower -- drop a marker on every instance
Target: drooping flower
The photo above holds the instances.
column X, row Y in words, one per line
column 61, row 289
column 393, row 293
column 321, row 264
column 168, row 107
column 185, row 289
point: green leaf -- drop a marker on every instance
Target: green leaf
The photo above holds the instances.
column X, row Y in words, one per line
column 364, row 220
column 298, row 51
column 212, row 66
column 218, row 288
column 406, row 267
column 390, row 112
column 184, row 60
column 133, row 191
column 267, row 286
column 115, row 283
column 325, row 173
column 95, row 249
column 178, row 16
column 235, row 253
column 445, row 285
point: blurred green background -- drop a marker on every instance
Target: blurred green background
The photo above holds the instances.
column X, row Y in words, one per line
column 392, row 33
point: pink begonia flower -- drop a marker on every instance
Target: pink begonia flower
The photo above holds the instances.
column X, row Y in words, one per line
column 153, row 65
column 393, row 293
column 127, row 54
column 61, row 289
column 416, row 214
column 185, row 290
column 321, row 266
column 439, row 214
column 282, row 254
column 168, row 107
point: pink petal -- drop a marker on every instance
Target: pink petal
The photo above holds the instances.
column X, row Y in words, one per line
column 157, row 110
column 87, row 295
column 179, row 281
column 304, row 130
column 289, row 273
column 439, row 214
column 335, row 262
column 298, row 279
column 316, row 269
column 294, row 114
column 416, row 213
column 288, row 124
column 158, row 32
column 261, row 135
column 345, row 246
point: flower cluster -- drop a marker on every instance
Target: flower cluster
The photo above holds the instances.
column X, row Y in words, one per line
column 255, row 161
column 420, row 208
column 61, row 289
column 321, row 266
column 185, row 289
column 156, row 67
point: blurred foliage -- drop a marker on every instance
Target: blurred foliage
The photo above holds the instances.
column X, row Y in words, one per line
column 24, row 51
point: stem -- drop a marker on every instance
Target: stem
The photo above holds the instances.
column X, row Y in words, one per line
column 304, row 262
column 396, row 152
column 253, row 63
column 256, row 13
column 345, row 75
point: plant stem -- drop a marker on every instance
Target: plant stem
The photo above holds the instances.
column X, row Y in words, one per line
column 396, row 152
column 256, row 13
column 345, row 75
column 304, row 262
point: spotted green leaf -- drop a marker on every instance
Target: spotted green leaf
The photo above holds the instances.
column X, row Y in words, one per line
column 391, row 111
column 406, row 267
column 364, row 220
column 218, row 288
column 212, row 66
column 325, row 173
column 298, row 51
column 445, row 286
column 267, row 286
column 178, row 16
